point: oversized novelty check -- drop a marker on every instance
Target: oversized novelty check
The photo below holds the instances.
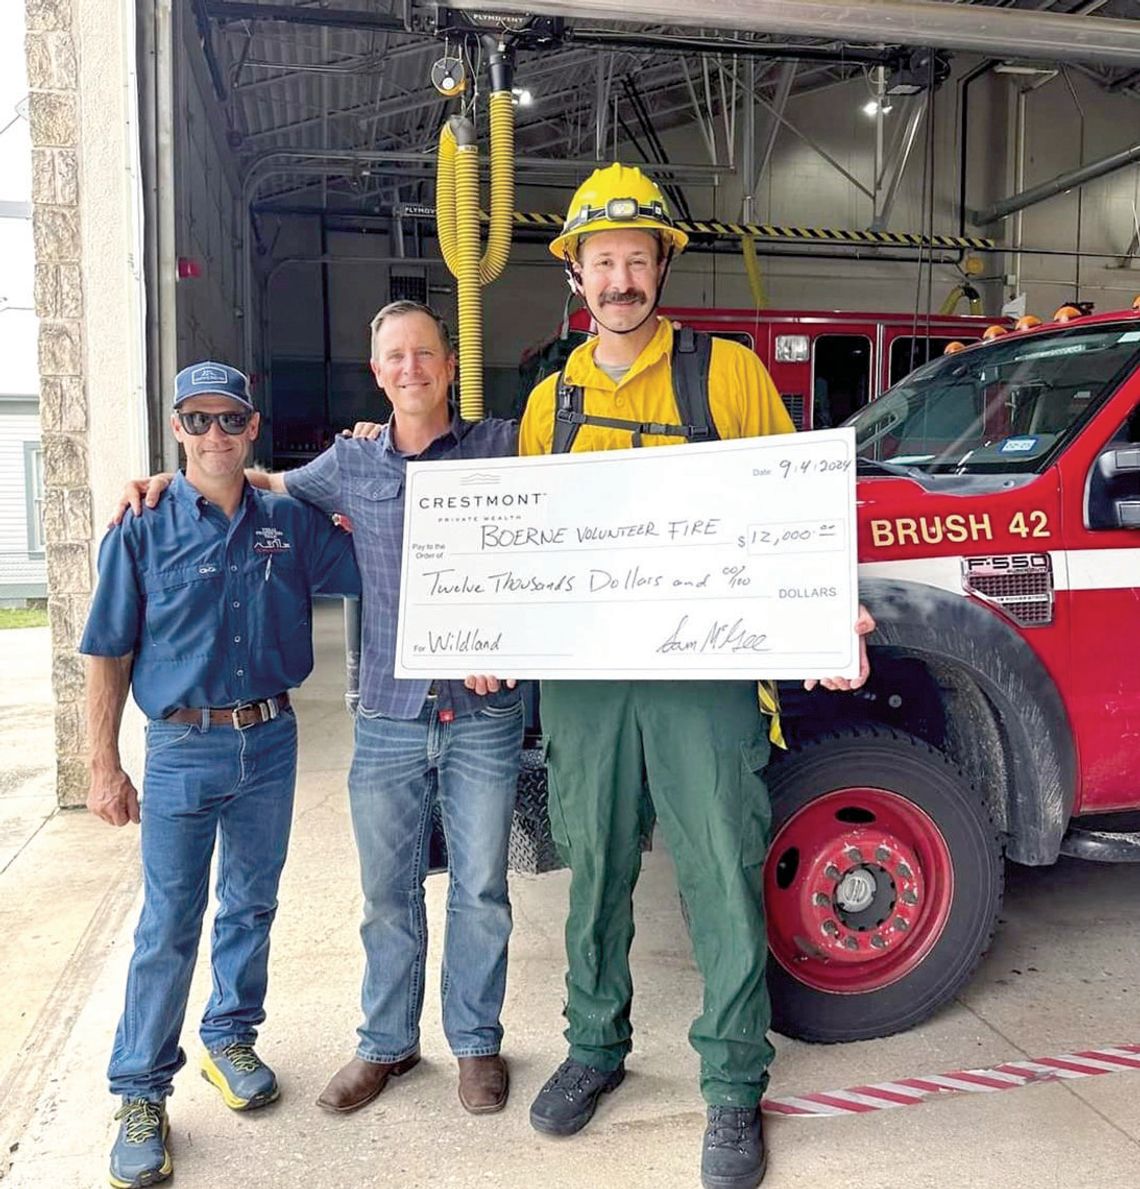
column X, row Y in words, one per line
column 730, row 559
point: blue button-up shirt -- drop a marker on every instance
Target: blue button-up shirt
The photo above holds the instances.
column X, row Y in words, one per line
column 365, row 480
column 216, row 611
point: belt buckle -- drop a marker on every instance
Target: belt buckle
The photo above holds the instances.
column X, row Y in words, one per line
column 266, row 710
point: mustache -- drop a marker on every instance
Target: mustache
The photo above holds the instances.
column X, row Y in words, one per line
column 623, row 297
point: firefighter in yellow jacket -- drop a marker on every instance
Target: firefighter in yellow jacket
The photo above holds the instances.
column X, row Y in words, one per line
column 698, row 747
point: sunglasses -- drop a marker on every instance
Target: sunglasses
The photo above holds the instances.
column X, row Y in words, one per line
column 197, row 424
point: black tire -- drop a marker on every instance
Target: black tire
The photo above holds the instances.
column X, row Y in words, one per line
column 957, row 934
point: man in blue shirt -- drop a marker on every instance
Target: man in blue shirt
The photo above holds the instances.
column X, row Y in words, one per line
column 418, row 740
column 203, row 612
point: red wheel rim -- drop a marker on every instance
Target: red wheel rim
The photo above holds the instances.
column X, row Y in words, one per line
column 857, row 888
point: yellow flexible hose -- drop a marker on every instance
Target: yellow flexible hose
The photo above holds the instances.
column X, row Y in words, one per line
column 457, row 223
column 467, row 276
column 952, row 298
column 502, row 187
column 752, row 268
column 445, row 198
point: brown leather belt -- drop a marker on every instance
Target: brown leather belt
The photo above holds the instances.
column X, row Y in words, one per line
column 249, row 714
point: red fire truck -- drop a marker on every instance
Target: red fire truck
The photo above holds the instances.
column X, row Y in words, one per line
column 999, row 547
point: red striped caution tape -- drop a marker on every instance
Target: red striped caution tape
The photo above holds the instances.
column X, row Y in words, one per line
column 886, row 1096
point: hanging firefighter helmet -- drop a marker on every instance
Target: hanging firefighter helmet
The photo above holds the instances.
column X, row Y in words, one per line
column 953, row 348
column 1067, row 314
column 613, row 198
column 1027, row 322
column 994, row 332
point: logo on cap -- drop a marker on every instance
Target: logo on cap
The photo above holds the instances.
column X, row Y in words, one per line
column 208, row 374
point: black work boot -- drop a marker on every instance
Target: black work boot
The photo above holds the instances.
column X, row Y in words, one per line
column 733, row 1156
column 566, row 1103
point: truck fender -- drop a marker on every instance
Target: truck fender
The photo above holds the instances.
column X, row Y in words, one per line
column 954, row 630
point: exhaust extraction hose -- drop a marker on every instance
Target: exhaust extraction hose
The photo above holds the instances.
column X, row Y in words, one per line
column 752, row 268
column 458, row 218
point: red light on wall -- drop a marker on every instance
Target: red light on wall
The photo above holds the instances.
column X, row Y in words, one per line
column 188, row 268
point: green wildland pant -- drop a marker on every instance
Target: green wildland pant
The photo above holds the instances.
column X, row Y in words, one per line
column 699, row 748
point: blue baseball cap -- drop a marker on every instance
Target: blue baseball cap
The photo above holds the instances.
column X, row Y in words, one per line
column 212, row 379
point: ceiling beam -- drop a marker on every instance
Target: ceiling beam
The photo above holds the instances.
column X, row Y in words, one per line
column 978, row 28
column 327, row 18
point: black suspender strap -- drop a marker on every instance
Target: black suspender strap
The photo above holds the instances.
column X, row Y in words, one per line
column 690, row 371
column 691, row 354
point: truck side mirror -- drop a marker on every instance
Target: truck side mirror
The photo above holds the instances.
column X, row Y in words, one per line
column 1112, row 498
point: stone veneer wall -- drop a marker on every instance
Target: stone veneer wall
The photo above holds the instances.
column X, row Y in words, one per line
column 53, row 81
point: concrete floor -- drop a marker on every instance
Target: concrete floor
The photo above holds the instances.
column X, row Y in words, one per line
column 1064, row 975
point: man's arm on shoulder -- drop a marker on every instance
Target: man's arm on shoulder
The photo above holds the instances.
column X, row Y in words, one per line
column 111, row 794
column 139, row 494
column 317, row 482
column 273, row 481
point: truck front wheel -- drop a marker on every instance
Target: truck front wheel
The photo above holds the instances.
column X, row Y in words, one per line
column 882, row 885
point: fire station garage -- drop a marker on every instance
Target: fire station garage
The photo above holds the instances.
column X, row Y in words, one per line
column 922, row 219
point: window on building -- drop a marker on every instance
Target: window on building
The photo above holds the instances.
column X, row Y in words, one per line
column 34, row 494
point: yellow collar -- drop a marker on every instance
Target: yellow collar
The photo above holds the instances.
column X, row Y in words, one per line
column 581, row 368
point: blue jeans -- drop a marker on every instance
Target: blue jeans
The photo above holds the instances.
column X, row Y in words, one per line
column 398, row 767
column 201, row 785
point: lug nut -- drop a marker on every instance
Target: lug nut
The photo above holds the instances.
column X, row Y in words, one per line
column 855, row 854
column 850, row 943
column 904, row 872
column 831, row 871
column 882, row 854
column 878, row 943
column 821, row 900
column 830, row 928
column 901, row 924
column 909, row 897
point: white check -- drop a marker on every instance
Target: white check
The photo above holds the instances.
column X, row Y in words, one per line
column 731, row 559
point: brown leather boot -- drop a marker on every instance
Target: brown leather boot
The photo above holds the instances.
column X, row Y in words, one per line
column 483, row 1084
column 356, row 1084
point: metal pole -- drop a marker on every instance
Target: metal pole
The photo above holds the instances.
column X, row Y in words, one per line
column 748, row 143
column 914, row 118
column 783, row 92
column 1057, row 185
column 165, row 27
column 880, row 83
column 149, row 140
column 601, row 96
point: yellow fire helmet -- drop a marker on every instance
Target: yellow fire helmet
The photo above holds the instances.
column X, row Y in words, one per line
column 610, row 199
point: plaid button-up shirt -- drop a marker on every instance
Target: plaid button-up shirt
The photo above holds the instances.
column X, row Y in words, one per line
column 364, row 480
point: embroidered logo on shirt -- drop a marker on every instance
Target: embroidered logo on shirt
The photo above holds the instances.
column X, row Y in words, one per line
column 207, row 569
column 270, row 540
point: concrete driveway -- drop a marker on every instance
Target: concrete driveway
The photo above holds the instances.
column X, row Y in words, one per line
column 1064, row 975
